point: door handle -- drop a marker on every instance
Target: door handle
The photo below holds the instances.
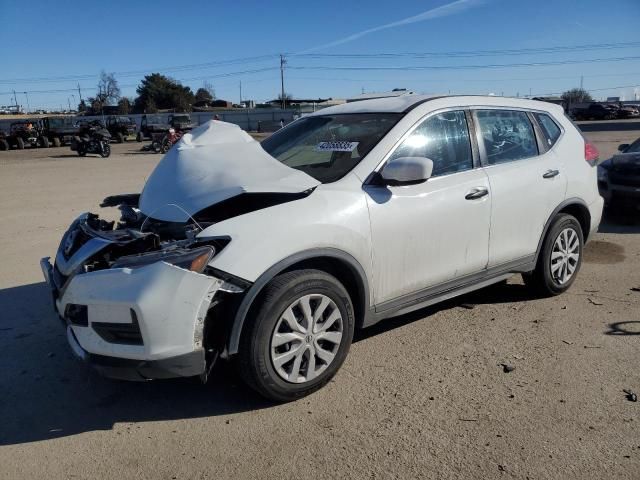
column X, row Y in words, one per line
column 551, row 173
column 477, row 192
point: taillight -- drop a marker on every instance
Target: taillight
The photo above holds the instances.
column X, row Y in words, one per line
column 591, row 153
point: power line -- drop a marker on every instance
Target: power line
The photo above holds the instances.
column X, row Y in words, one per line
column 474, row 53
column 132, row 73
column 467, row 67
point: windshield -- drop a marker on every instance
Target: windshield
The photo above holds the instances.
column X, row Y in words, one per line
column 180, row 118
column 327, row 147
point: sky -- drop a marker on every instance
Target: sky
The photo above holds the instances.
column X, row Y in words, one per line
column 333, row 49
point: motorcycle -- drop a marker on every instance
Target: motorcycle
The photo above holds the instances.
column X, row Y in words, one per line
column 162, row 145
column 93, row 138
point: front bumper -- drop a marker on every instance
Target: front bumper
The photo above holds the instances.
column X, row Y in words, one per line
column 169, row 305
column 625, row 195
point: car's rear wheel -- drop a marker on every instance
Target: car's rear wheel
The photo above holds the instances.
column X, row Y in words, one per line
column 20, row 143
column 560, row 258
column 56, row 142
column 44, row 142
column 298, row 335
column 139, row 137
column 120, row 137
column 4, row 145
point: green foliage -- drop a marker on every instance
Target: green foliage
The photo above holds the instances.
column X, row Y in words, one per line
column 577, row 95
column 158, row 92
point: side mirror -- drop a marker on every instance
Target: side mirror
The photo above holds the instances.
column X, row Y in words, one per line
column 622, row 147
column 407, row 170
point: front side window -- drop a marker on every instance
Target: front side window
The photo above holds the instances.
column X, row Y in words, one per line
column 507, row 135
column 550, row 129
column 443, row 138
column 327, row 147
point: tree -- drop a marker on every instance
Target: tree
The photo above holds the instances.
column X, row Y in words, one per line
column 108, row 89
column 82, row 106
column 209, row 88
column 576, row 95
column 158, row 92
column 124, row 106
column 203, row 95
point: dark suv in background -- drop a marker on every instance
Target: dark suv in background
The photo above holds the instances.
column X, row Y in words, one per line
column 619, row 177
column 121, row 127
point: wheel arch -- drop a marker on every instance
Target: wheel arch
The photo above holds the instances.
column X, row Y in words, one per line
column 336, row 262
column 573, row 206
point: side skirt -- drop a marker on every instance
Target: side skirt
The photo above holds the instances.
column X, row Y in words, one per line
column 447, row 290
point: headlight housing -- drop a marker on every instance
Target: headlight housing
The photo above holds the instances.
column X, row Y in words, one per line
column 195, row 259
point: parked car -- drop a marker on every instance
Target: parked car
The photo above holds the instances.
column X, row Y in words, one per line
column 595, row 111
column 59, row 130
column 26, row 133
column 619, row 177
column 628, row 111
column 151, row 124
column 121, row 127
column 273, row 253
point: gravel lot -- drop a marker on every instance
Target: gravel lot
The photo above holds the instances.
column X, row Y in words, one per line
column 420, row 396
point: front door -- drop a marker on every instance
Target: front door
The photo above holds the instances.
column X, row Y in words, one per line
column 427, row 234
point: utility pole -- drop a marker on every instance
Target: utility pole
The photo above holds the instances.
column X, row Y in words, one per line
column 581, row 81
column 26, row 94
column 79, row 92
column 69, row 103
column 16, row 100
column 240, row 92
column 282, row 63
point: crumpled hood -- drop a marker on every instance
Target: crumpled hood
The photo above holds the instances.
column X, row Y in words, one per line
column 212, row 163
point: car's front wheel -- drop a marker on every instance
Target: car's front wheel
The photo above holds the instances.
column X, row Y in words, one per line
column 560, row 258
column 297, row 336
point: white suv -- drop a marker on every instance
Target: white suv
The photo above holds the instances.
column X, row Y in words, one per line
column 273, row 253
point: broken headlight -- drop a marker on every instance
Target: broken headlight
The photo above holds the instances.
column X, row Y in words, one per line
column 195, row 259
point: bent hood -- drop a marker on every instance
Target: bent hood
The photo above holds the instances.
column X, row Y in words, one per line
column 212, row 163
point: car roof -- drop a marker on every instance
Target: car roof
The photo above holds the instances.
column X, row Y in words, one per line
column 405, row 103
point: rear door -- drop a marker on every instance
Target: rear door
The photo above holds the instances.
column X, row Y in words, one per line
column 526, row 178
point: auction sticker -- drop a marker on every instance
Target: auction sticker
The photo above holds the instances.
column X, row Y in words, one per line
column 336, row 146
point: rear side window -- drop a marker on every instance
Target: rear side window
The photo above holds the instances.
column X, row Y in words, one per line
column 550, row 128
column 444, row 138
column 507, row 135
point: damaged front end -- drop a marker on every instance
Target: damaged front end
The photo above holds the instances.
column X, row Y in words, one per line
column 138, row 295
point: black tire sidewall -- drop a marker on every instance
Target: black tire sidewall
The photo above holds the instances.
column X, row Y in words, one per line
column 562, row 222
column 257, row 348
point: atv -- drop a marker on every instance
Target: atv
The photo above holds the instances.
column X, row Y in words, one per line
column 59, row 130
column 121, row 127
column 181, row 122
column 149, row 125
column 4, row 144
column 26, row 132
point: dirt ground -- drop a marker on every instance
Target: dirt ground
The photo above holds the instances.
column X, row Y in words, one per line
column 420, row 396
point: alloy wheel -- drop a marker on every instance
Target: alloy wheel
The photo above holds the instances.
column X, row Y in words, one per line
column 565, row 255
column 306, row 338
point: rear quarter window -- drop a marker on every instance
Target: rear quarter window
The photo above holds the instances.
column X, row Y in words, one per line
column 549, row 127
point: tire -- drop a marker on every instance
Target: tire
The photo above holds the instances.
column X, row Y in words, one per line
column 120, row 137
column 257, row 357
column 139, row 137
column 106, row 150
column 56, row 142
column 20, row 143
column 44, row 142
column 156, row 146
column 544, row 280
column 165, row 145
column 4, row 145
column 82, row 150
